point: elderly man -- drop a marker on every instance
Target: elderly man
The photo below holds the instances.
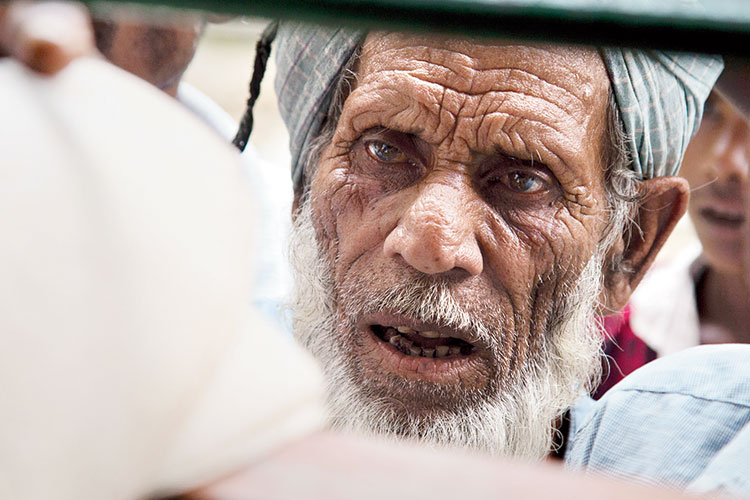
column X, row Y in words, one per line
column 70, row 336
column 106, row 366
column 464, row 210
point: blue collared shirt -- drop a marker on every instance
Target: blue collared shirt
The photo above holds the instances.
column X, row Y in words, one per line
column 682, row 420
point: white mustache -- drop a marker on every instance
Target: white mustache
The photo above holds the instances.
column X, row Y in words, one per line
column 425, row 300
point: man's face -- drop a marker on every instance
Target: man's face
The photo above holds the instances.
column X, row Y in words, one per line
column 455, row 209
column 716, row 166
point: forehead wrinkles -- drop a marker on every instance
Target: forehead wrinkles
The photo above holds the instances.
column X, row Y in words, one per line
column 474, row 68
column 484, row 95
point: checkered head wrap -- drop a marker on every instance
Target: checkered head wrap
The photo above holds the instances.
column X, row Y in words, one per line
column 660, row 94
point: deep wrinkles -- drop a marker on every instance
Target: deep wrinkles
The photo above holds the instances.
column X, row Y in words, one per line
column 534, row 251
column 519, row 313
column 532, row 51
column 344, row 195
column 476, row 69
column 362, row 120
column 494, row 105
column 444, row 91
column 343, row 155
column 394, row 77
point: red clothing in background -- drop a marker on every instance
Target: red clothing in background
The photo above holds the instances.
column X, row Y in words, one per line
column 661, row 318
column 624, row 351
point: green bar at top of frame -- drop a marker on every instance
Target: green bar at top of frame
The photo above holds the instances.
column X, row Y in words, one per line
column 700, row 25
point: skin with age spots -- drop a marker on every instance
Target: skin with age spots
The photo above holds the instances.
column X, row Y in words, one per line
column 479, row 165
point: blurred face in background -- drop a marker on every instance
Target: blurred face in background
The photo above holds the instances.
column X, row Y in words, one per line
column 157, row 52
column 716, row 166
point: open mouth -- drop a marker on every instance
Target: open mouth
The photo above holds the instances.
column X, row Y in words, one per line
column 411, row 349
column 422, row 344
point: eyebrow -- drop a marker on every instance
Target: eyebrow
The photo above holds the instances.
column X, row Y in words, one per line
column 491, row 145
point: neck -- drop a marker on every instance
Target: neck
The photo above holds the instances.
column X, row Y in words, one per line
column 724, row 308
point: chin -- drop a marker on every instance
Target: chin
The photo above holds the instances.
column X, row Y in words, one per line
column 492, row 422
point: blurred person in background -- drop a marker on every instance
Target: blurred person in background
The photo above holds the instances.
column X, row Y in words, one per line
column 159, row 49
column 702, row 295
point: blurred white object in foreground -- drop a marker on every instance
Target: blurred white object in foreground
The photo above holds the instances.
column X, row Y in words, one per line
column 129, row 363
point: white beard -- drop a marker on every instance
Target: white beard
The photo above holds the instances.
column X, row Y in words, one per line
column 516, row 421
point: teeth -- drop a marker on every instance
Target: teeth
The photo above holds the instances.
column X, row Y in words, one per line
column 430, row 334
column 404, row 329
column 408, row 346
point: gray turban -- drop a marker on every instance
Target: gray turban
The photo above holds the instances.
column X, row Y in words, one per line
column 660, row 94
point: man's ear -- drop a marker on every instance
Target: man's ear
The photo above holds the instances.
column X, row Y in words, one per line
column 663, row 201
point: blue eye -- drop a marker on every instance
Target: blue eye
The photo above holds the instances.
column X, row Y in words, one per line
column 385, row 153
column 522, row 183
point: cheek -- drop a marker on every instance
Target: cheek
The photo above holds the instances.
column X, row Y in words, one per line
column 353, row 216
column 697, row 161
column 534, row 253
column 704, row 151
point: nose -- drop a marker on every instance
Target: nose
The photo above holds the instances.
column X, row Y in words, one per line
column 734, row 157
column 436, row 234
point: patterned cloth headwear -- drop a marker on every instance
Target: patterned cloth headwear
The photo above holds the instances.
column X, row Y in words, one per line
column 660, row 94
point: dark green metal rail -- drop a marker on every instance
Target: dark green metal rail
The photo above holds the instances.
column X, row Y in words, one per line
column 722, row 27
